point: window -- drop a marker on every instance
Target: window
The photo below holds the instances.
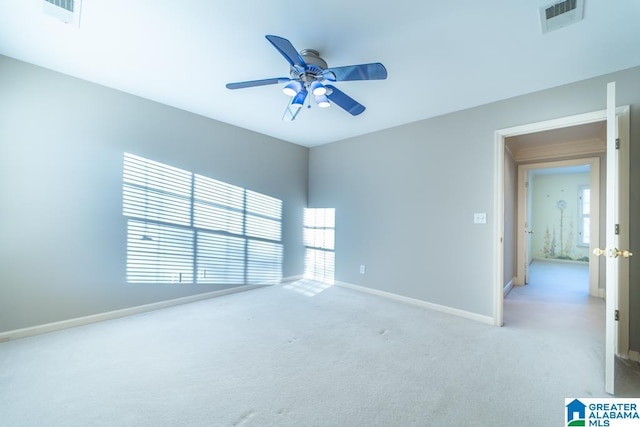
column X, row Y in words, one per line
column 187, row 228
column 319, row 239
column 584, row 210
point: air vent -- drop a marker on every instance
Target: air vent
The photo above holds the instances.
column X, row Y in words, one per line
column 65, row 4
column 561, row 14
column 67, row 11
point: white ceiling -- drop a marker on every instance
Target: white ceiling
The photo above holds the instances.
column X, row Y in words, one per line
column 441, row 56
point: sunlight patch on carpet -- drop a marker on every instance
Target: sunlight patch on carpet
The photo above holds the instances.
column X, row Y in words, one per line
column 307, row 287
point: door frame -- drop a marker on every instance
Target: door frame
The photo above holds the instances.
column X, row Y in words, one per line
column 498, row 197
column 594, row 182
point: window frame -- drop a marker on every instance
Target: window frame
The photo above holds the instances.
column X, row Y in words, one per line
column 582, row 215
column 319, row 240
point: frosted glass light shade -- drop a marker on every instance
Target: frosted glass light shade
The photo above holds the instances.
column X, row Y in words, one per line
column 322, row 101
column 292, row 88
column 318, row 88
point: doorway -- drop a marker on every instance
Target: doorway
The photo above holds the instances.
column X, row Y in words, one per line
column 559, row 211
column 566, row 151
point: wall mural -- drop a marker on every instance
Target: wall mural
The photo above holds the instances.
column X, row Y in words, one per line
column 561, row 247
column 555, row 216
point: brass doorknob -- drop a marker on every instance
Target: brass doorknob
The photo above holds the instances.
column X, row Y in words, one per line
column 624, row 253
column 599, row 252
column 613, row 253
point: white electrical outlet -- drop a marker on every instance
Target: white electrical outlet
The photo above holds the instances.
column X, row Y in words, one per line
column 363, row 269
column 479, row 218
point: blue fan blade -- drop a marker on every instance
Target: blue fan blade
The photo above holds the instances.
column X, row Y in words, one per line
column 344, row 101
column 252, row 83
column 374, row 71
column 287, row 50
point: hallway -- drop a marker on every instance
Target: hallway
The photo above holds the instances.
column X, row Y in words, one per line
column 555, row 308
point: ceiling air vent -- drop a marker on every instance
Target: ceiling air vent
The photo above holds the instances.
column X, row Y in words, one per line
column 561, row 14
column 65, row 10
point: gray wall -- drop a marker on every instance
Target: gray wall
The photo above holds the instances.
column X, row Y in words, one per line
column 405, row 197
column 62, row 233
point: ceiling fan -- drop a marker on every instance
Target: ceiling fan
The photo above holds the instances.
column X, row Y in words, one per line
column 309, row 73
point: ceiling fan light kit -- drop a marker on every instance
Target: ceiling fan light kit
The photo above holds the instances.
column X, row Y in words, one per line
column 308, row 72
column 322, row 101
column 292, row 88
column 317, row 88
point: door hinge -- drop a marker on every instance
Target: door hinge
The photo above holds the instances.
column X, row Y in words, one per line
column 616, row 229
column 617, row 143
column 617, row 315
column 526, row 184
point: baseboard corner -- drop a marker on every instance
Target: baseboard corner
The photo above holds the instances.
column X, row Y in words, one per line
column 507, row 288
column 291, row 278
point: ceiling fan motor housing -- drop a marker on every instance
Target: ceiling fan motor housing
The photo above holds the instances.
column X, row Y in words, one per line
column 315, row 66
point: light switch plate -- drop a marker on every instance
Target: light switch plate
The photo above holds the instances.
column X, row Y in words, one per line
column 480, row 218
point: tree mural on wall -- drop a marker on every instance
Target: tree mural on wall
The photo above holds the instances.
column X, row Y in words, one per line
column 568, row 245
column 564, row 248
column 546, row 249
column 561, row 205
column 555, row 209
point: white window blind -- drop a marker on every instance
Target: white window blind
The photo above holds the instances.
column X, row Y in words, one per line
column 319, row 239
column 584, row 211
column 188, row 228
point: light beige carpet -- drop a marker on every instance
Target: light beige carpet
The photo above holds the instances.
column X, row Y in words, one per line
column 319, row 357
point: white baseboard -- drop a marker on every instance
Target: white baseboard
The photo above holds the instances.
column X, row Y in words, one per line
column 507, row 288
column 602, row 292
column 437, row 307
column 634, row 355
column 79, row 321
column 563, row 261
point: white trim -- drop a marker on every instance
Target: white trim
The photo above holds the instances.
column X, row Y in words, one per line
column 612, row 282
column 507, row 288
column 437, row 307
column 498, row 226
column 560, row 261
column 634, row 355
column 109, row 315
column 623, row 114
column 602, row 292
column 579, row 119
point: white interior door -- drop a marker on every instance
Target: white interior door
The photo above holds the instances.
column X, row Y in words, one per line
column 612, row 242
column 527, row 226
